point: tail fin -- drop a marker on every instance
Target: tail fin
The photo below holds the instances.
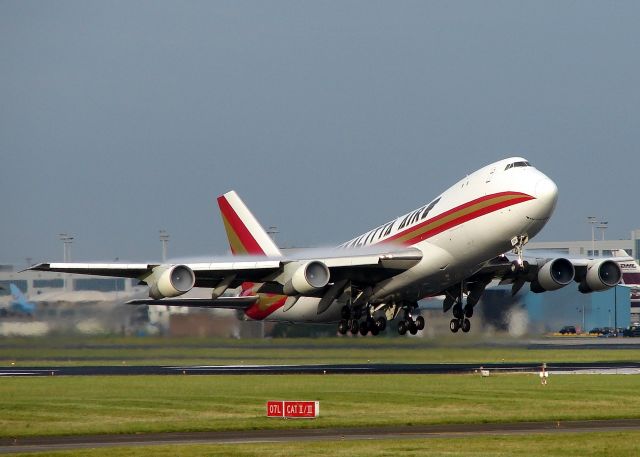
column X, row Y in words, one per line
column 245, row 234
column 17, row 293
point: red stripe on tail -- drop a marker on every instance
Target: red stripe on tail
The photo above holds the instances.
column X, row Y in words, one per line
column 241, row 231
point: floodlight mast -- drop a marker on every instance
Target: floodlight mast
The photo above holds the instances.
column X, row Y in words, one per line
column 66, row 253
column 164, row 239
column 595, row 223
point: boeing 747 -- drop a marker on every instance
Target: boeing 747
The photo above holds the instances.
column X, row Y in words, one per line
column 455, row 245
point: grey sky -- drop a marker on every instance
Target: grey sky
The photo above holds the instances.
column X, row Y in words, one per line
column 121, row 118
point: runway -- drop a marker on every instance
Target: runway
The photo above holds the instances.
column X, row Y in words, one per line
column 400, row 368
column 57, row 443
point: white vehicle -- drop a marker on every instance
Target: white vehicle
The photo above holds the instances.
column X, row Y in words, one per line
column 454, row 246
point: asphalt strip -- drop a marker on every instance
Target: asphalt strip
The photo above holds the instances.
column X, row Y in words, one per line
column 58, row 443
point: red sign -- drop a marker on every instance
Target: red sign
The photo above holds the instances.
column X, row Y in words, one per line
column 293, row 409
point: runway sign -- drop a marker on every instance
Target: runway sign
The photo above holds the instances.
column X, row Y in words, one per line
column 293, row 409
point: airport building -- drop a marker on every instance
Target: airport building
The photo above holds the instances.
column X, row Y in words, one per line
column 590, row 248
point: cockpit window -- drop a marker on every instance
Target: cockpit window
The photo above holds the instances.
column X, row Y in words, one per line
column 517, row 164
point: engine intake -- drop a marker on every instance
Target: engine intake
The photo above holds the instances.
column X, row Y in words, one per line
column 173, row 281
column 553, row 275
column 308, row 279
column 601, row 275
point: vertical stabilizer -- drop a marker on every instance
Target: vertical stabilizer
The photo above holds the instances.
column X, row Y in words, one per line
column 17, row 294
column 245, row 234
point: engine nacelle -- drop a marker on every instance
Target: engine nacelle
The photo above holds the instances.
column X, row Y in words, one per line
column 553, row 275
column 601, row 275
column 173, row 281
column 308, row 279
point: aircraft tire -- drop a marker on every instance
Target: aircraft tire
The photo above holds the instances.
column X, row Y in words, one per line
column 466, row 325
column 457, row 311
column 381, row 323
column 354, row 327
column 468, row 311
column 364, row 328
column 454, row 325
column 374, row 330
column 413, row 328
column 420, row 322
column 402, row 328
column 343, row 327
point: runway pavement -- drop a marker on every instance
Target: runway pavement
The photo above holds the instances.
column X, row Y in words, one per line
column 384, row 368
column 56, row 443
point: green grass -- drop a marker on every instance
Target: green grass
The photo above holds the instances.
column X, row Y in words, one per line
column 132, row 404
column 608, row 444
column 166, row 351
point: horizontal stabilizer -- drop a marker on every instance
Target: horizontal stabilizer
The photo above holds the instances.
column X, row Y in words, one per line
column 219, row 303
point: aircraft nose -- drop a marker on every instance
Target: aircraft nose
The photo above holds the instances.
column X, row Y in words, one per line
column 547, row 191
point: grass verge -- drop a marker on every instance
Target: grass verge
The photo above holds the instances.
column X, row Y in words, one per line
column 166, row 351
column 607, row 444
column 138, row 404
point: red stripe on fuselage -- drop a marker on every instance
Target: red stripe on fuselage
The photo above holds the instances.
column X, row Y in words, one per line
column 240, row 229
column 518, row 197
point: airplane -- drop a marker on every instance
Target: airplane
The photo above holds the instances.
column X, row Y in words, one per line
column 455, row 245
column 19, row 304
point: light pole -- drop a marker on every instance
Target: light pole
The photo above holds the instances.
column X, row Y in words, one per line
column 66, row 254
column 66, row 240
column 593, row 221
column 603, row 226
column 164, row 238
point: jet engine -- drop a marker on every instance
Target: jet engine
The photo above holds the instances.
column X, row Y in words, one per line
column 171, row 282
column 553, row 275
column 307, row 279
column 601, row 275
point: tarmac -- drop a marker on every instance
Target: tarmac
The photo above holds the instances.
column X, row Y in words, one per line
column 389, row 368
column 60, row 443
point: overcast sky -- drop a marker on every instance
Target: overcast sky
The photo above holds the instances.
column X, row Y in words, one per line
column 121, row 118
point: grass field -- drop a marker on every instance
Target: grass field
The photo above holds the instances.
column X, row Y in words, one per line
column 131, row 404
column 613, row 444
column 139, row 404
column 166, row 351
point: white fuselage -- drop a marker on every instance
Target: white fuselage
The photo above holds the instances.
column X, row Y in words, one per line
column 470, row 223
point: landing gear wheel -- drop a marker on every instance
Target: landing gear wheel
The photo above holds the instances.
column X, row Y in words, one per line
column 466, row 325
column 364, row 328
column 457, row 311
column 454, row 325
column 354, row 327
column 413, row 328
column 374, row 330
column 381, row 323
column 420, row 322
column 402, row 327
column 343, row 327
column 468, row 311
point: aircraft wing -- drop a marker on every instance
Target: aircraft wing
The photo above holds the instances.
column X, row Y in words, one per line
column 362, row 267
column 547, row 272
column 218, row 303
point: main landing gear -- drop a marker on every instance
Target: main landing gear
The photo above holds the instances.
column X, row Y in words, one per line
column 461, row 317
column 363, row 321
column 408, row 324
column 454, row 299
column 352, row 322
